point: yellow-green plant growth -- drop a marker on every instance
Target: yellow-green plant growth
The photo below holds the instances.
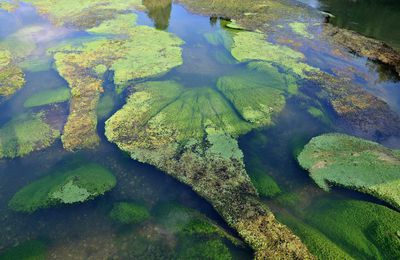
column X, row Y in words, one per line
column 47, row 97
column 11, row 76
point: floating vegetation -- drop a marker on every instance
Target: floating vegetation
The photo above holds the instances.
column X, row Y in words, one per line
column 11, row 76
column 353, row 163
column 29, row 250
column 129, row 213
column 25, row 134
column 66, row 187
column 47, row 97
column 83, row 13
column 362, row 229
column 146, row 52
column 190, row 133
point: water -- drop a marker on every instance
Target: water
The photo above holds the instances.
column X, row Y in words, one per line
column 85, row 231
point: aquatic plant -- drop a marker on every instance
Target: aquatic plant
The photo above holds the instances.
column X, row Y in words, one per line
column 146, row 52
column 8, row 6
column 191, row 134
column 11, row 76
column 36, row 64
column 362, row 229
column 29, row 250
column 83, row 13
column 353, row 163
column 212, row 249
column 105, row 106
column 129, row 213
column 65, row 187
column 47, row 97
column 265, row 184
column 300, row 29
column 25, row 134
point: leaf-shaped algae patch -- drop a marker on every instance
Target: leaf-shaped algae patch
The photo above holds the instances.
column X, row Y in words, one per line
column 66, row 187
column 353, row 163
column 25, row 134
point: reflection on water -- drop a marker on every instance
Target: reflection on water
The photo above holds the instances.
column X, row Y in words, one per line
column 159, row 11
column 376, row 19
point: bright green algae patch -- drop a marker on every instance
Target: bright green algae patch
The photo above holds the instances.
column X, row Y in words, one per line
column 129, row 213
column 353, row 163
column 25, row 134
column 11, row 76
column 66, row 187
column 48, row 97
column 365, row 230
column 191, row 134
column 29, row 250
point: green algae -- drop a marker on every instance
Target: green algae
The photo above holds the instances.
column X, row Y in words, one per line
column 121, row 24
column 191, row 134
column 265, row 184
column 25, row 134
column 11, row 76
column 83, row 13
column 65, row 187
column 353, row 163
column 212, row 249
column 319, row 114
column 36, row 64
column 253, row 46
column 29, row 250
column 300, row 29
column 363, row 229
column 47, row 97
column 9, row 6
column 129, row 213
column 105, row 106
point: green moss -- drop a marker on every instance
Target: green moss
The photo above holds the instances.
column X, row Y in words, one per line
column 24, row 135
column 353, row 163
column 129, row 213
column 66, row 187
column 253, row 46
column 321, row 246
column 11, row 76
column 29, row 250
column 47, row 97
column 300, row 29
column 212, row 249
column 363, row 229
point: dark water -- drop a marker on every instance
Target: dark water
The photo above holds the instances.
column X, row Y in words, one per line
column 85, row 231
column 376, row 19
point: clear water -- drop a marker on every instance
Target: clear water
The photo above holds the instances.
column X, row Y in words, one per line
column 85, row 231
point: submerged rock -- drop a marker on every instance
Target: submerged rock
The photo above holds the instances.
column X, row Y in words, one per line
column 65, row 187
column 354, row 163
column 25, row 134
column 11, row 76
column 191, row 134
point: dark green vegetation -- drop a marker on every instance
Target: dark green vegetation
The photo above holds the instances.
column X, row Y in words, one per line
column 25, row 134
column 71, row 186
column 29, row 250
column 353, row 163
column 129, row 213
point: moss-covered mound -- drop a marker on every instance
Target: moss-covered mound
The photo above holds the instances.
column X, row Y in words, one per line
column 25, row 134
column 353, row 163
column 29, row 250
column 191, row 134
column 129, row 213
column 11, row 76
column 66, row 187
column 47, row 97
column 132, row 52
column 363, row 229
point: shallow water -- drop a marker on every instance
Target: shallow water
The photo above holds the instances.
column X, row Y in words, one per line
column 85, row 231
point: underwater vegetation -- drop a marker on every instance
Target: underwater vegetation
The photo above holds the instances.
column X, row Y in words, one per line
column 65, row 187
column 29, row 250
column 191, row 134
column 354, row 163
column 24, row 134
column 129, row 213
column 11, row 76
column 47, row 97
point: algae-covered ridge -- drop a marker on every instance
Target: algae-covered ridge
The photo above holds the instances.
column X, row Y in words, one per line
column 66, row 187
column 336, row 159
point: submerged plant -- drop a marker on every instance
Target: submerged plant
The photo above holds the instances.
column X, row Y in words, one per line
column 129, row 213
column 25, row 134
column 66, row 187
column 47, row 97
column 29, row 250
column 11, row 76
column 353, row 163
